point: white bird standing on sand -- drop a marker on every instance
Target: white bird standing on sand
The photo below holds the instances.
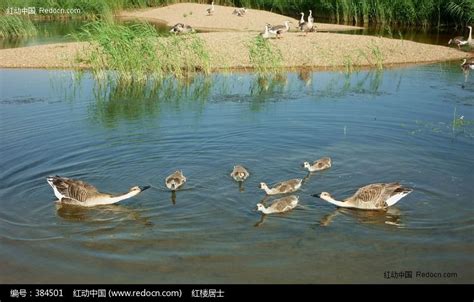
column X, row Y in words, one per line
column 310, row 17
column 175, row 180
column 76, row 192
column 318, row 165
column 288, row 186
column 377, row 196
column 301, row 20
column 210, row 10
column 279, row 205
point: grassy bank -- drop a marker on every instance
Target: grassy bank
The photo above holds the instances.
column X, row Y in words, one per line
column 136, row 53
column 16, row 27
column 357, row 12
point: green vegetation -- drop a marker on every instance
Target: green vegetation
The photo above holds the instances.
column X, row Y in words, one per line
column 405, row 12
column 264, row 57
column 135, row 53
column 16, row 27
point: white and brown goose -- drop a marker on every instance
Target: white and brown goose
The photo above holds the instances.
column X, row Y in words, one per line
column 77, row 192
column 280, row 205
column 288, row 186
column 210, row 10
column 310, row 16
column 280, row 29
column 378, row 196
column 266, row 33
column 301, row 19
column 175, row 180
column 468, row 64
column 318, row 165
column 240, row 12
column 460, row 41
column 239, row 173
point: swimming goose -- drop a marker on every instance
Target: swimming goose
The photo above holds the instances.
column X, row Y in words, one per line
column 210, row 10
column 279, row 29
column 377, row 196
column 468, row 64
column 320, row 164
column 175, row 180
column 280, row 205
column 283, row 187
column 80, row 193
column 239, row 173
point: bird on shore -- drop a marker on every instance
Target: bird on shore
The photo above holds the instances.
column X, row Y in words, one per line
column 468, row 64
column 318, row 165
column 459, row 40
column 240, row 12
column 288, row 186
column 310, row 17
column 211, row 9
column 301, row 20
column 279, row 29
column 378, row 196
column 180, row 28
column 280, row 205
column 80, row 193
column 239, row 173
column 175, row 180
column 266, row 33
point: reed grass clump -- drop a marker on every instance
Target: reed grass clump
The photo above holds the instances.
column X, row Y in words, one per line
column 264, row 57
column 136, row 53
column 16, row 27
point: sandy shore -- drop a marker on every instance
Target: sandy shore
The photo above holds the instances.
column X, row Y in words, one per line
column 316, row 50
column 229, row 49
column 222, row 19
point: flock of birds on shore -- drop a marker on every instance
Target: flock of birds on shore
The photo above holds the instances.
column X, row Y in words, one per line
column 270, row 31
column 377, row 196
column 307, row 26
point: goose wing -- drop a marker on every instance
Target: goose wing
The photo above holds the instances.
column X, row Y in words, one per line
column 278, row 28
column 322, row 162
column 287, row 185
column 370, row 196
column 283, row 204
column 74, row 189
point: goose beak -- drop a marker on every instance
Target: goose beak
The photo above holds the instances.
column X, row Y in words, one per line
column 316, row 195
column 255, row 209
column 144, row 188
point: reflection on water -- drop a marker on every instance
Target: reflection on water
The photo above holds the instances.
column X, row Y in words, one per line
column 390, row 217
column 54, row 123
column 81, row 214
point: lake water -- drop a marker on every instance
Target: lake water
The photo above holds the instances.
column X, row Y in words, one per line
column 391, row 125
